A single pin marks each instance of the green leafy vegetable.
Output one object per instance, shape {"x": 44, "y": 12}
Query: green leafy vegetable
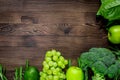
{"x": 110, "y": 9}
{"x": 108, "y": 13}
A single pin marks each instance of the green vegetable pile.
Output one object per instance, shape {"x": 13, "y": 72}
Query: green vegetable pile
{"x": 102, "y": 62}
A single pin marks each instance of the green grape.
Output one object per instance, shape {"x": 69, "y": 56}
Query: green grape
{"x": 46, "y": 66}
{"x": 40, "y": 72}
{"x": 50, "y": 77}
{"x": 52, "y": 68}
{"x": 44, "y": 69}
{"x": 54, "y": 64}
{"x": 55, "y": 72}
{"x": 62, "y": 66}
{"x": 43, "y": 74}
{"x": 55, "y": 57}
{"x": 55, "y": 78}
{"x": 47, "y": 78}
{"x": 48, "y": 54}
{"x": 44, "y": 63}
{"x": 62, "y": 75}
{"x": 53, "y": 52}
{"x": 42, "y": 78}
{"x": 50, "y": 63}
{"x": 49, "y": 72}
{"x": 47, "y": 59}
{"x": 58, "y": 69}
{"x": 58, "y": 53}
{"x": 60, "y": 63}
{"x": 65, "y": 62}
{"x": 61, "y": 58}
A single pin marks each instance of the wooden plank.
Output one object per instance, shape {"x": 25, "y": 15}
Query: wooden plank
{"x": 47, "y": 5}
{"x": 62, "y": 1}
{"x": 7, "y": 5}
{"x": 43, "y": 41}
{"x": 44, "y": 17}
{"x": 8, "y": 17}
{"x": 40, "y": 17}
{"x": 74, "y": 7}
{"x": 49, "y": 29}
{"x": 36, "y": 12}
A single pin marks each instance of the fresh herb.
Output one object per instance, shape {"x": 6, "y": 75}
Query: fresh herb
{"x": 18, "y": 73}
{"x": 2, "y": 75}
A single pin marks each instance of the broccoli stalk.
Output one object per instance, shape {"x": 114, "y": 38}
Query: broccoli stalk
{"x": 98, "y": 76}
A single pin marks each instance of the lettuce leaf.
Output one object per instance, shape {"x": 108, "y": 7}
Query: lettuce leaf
{"x": 109, "y": 9}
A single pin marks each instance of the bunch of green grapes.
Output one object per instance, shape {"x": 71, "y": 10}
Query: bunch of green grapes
{"x": 53, "y": 66}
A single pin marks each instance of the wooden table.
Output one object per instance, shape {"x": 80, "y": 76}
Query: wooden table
{"x": 28, "y": 28}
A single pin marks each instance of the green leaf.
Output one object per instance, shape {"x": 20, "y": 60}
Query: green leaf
{"x": 69, "y": 62}
{"x": 20, "y": 72}
{"x": 109, "y": 9}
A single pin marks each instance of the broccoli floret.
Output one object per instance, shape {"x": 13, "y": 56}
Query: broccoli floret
{"x": 99, "y": 67}
{"x": 112, "y": 71}
{"x": 101, "y": 51}
{"x": 108, "y": 59}
{"x": 87, "y": 59}
{"x": 104, "y": 55}
{"x": 118, "y": 63}
{"x": 97, "y": 54}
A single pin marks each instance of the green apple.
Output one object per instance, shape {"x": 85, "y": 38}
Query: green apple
{"x": 114, "y": 34}
{"x": 74, "y": 73}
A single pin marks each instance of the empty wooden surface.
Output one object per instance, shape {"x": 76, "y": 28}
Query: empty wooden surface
{"x": 28, "y": 28}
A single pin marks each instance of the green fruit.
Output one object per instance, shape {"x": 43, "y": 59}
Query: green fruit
{"x": 74, "y": 73}
{"x": 114, "y": 34}
{"x": 31, "y": 73}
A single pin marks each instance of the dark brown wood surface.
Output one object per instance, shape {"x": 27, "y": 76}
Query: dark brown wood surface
{"x": 28, "y": 28}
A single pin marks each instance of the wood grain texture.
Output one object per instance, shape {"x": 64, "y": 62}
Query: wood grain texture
{"x": 60, "y": 29}
{"x": 28, "y": 28}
